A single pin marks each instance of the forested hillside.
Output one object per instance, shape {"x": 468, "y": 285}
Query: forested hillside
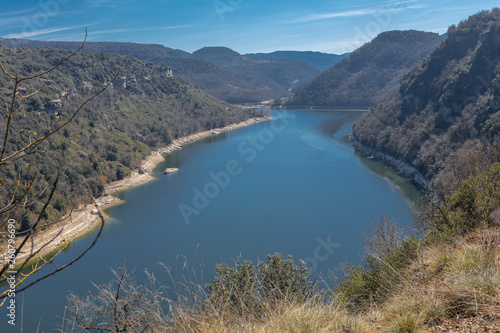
{"x": 319, "y": 60}
{"x": 209, "y": 77}
{"x": 145, "y": 108}
{"x": 447, "y": 105}
{"x": 282, "y": 73}
{"x": 368, "y": 74}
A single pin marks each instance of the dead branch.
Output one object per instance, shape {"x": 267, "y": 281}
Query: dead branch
{"x": 22, "y": 189}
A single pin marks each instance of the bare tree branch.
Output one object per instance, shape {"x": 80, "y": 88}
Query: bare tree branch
{"x": 72, "y": 261}
{"x": 24, "y": 185}
{"x": 121, "y": 306}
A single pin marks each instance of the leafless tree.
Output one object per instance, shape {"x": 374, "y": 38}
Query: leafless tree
{"x": 120, "y": 306}
{"x": 384, "y": 237}
{"x": 18, "y": 273}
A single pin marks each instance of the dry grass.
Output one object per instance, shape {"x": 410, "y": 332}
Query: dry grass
{"x": 449, "y": 285}
{"x": 412, "y": 308}
{"x": 450, "y": 281}
{"x": 279, "y": 318}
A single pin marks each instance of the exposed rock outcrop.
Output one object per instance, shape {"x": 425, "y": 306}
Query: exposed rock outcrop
{"x": 85, "y": 85}
{"x": 404, "y": 169}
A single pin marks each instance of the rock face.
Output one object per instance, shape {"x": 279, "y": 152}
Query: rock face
{"x": 56, "y": 103}
{"x": 168, "y": 71}
{"x": 120, "y": 83}
{"x": 20, "y": 90}
{"x": 85, "y": 85}
{"x": 68, "y": 94}
{"x": 83, "y": 154}
{"x": 404, "y": 169}
{"x": 53, "y": 106}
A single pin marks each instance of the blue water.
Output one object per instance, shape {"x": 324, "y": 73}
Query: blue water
{"x": 293, "y": 185}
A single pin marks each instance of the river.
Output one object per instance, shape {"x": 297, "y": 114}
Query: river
{"x": 292, "y": 185}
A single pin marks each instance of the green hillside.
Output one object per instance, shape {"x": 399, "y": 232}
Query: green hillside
{"x": 447, "y": 104}
{"x": 369, "y": 73}
{"x": 209, "y": 77}
{"x": 276, "y": 73}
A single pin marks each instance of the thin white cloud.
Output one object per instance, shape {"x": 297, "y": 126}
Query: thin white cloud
{"x": 71, "y": 37}
{"x": 17, "y": 13}
{"x": 390, "y": 5}
{"x": 349, "y": 13}
{"x": 28, "y": 18}
{"x": 107, "y": 3}
{"x": 11, "y": 22}
{"x": 419, "y": 6}
{"x": 123, "y": 30}
{"x": 40, "y": 32}
{"x": 397, "y": 3}
{"x": 14, "y": 19}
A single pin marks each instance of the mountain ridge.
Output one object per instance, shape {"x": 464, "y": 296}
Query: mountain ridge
{"x": 284, "y": 73}
{"x": 369, "y": 73}
{"x": 446, "y": 105}
{"x": 319, "y": 60}
{"x": 208, "y": 76}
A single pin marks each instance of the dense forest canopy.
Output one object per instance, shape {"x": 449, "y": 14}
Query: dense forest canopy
{"x": 447, "y": 104}
{"x": 369, "y": 73}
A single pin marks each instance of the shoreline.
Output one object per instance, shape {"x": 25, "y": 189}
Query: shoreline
{"x": 324, "y": 108}
{"x": 82, "y": 221}
{"x": 402, "y": 168}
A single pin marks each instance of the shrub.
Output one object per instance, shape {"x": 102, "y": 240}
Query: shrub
{"x": 388, "y": 256}
{"x": 245, "y": 288}
{"x": 122, "y": 172}
{"x": 471, "y": 206}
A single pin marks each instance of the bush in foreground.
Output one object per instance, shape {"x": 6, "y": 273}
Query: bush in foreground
{"x": 449, "y": 279}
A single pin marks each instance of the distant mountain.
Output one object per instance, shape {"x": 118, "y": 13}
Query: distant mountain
{"x": 320, "y": 61}
{"x": 283, "y": 73}
{"x": 369, "y": 73}
{"x": 207, "y": 76}
{"x": 446, "y": 104}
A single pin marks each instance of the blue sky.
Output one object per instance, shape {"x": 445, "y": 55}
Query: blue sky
{"x": 243, "y": 25}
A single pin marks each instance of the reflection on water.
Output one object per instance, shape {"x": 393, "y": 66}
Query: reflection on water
{"x": 340, "y": 126}
{"x": 405, "y": 185}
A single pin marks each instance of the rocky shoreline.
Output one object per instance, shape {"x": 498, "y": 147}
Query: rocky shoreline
{"x": 403, "y": 168}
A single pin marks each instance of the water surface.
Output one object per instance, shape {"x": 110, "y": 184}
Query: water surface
{"x": 293, "y": 185}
